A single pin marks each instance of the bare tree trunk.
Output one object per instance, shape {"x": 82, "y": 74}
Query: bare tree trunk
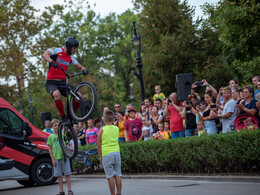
{"x": 21, "y": 88}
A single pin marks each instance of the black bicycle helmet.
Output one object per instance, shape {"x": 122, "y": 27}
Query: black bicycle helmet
{"x": 71, "y": 42}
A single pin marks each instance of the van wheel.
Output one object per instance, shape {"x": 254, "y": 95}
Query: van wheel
{"x": 27, "y": 183}
{"x": 41, "y": 172}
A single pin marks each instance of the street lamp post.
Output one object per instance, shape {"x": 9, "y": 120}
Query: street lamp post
{"x": 32, "y": 112}
{"x": 136, "y": 41}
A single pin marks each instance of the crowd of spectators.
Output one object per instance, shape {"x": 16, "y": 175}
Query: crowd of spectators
{"x": 168, "y": 118}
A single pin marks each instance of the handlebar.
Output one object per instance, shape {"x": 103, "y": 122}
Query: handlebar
{"x": 69, "y": 75}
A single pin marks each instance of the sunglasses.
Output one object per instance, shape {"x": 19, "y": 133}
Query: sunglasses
{"x": 117, "y": 106}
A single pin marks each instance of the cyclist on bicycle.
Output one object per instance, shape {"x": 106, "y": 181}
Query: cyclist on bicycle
{"x": 56, "y": 79}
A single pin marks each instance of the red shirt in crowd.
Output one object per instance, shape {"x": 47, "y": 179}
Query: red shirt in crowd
{"x": 176, "y": 122}
{"x": 133, "y": 125}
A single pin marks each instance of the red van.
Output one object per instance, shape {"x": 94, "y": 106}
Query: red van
{"x": 24, "y": 154}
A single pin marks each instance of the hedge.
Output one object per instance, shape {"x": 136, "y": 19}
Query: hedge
{"x": 220, "y": 153}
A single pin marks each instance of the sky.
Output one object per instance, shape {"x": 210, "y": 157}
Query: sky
{"x": 104, "y": 7}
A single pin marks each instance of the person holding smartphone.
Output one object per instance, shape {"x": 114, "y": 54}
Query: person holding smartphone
{"x": 208, "y": 87}
{"x": 173, "y": 111}
{"x": 189, "y": 115}
{"x": 207, "y": 117}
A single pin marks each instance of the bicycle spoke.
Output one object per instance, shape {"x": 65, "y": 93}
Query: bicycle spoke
{"x": 82, "y": 109}
{"x": 68, "y": 140}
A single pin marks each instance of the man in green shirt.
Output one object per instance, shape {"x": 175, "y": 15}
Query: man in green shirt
{"x": 109, "y": 153}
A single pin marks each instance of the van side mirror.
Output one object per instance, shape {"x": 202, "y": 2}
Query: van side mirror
{"x": 27, "y": 130}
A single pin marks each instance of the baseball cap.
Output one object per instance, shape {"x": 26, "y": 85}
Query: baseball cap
{"x": 132, "y": 110}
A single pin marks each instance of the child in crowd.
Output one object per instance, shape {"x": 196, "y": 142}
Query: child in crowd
{"x": 133, "y": 127}
{"x": 48, "y": 128}
{"x": 158, "y": 93}
{"x": 60, "y": 164}
{"x": 97, "y": 123}
{"x": 91, "y": 133}
{"x": 161, "y": 134}
{"x": 147, "y": 130}
{"x": 200, "y": 105}
{"x": 81, "y": 133}
{"x": 167, "y": 129}
{"x": 200, "y": 128}
{"x": 109, "y": 153}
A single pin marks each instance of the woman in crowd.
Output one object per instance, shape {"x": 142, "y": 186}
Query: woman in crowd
{"x": 143, "y": 112}
{"x": 233, "y": 83}
{"x": 120, "y": 123}
{"x": 236, "y": 95}
{"x": 155, "y": 118}
{"x": 81, "y": 133}
{"x": 249, "y": 105}
{"x": 149, "y": 114}
{"x": 209, "y": 121}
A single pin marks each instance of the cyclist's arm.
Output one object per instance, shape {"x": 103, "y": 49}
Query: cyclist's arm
{"x": 47, "y": 56}
{"x": 79, "y": 67}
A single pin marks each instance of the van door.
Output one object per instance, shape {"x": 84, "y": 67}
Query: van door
{"x": 5, "y": 164}
{"x": 13, "y": 146}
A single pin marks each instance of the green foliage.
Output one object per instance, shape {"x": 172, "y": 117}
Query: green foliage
{"x": 170, "y": 41}
{"x": 238, "y": 23}
{"x": 19, "y": 27}
{"x": 221, "y": 153}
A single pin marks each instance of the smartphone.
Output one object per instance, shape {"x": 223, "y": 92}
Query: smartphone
{"x": 199, "y": 83}
{"x": 213, "y": 106}
{"x": 198, "y": 103}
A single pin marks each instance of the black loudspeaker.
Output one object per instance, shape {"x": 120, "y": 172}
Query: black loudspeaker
{"x": 45, "y": 116}
{"x": 184, "y": 83}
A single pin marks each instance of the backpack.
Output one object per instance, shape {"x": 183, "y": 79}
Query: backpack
{"x": 245, "y": 122}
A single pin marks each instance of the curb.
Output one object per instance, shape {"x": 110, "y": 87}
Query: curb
{"x": 249, "y": 179}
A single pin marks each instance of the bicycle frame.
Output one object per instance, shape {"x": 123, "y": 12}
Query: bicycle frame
{"x": 70, "y": 93}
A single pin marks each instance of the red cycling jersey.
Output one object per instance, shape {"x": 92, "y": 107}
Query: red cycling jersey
{"x": 64, "y": 60}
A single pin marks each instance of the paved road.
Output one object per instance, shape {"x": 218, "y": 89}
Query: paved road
{"x": 139, "y": 186}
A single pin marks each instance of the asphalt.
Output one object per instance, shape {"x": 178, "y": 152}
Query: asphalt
{"x": 218, "y": 178}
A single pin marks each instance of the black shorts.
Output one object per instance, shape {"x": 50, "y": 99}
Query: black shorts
{"x": 52, "y": 85}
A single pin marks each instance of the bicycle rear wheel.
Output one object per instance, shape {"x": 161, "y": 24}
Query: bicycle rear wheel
{"x": 82, "y": 105}
{"x": 68, "y": 140}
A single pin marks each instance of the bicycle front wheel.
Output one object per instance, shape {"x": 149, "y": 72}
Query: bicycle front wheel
{"x": 68, "y": 140}
{"x": 83, "y": 102}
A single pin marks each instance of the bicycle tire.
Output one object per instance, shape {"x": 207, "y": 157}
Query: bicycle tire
{"x": 68, "y": 140}
{"x": 88, "y": 96}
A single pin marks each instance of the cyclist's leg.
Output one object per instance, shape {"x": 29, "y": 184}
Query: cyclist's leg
{"x": 52, "y": 87}
{"x": 58, "y": 102}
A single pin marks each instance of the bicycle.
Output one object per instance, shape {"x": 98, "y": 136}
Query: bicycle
{"x": 81, "y": 102}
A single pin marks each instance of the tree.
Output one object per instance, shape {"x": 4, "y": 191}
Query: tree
{"x": 116, "y": 51}
{"x": 210, "y": 65}
{"x": 238, "y": 24}
{"x": 169, "y": 42}
{"x": 18, "y": 29}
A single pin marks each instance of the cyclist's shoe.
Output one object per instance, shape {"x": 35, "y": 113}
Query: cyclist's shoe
{"x": 64, "y": 118}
